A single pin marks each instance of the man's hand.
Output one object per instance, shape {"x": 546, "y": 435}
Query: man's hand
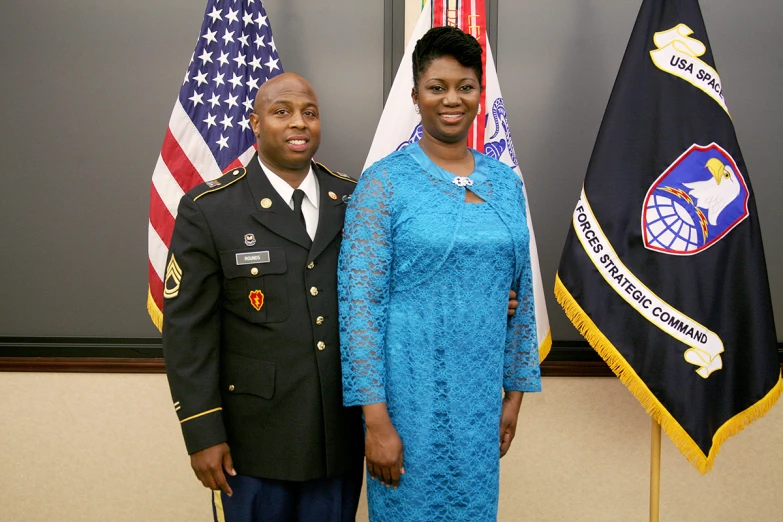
{"x": 508, "y": 419}
{"x": 209, "y": 464}
{"x": 512, "y": 303}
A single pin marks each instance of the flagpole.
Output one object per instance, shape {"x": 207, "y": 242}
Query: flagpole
{"x": 655, "y": 471}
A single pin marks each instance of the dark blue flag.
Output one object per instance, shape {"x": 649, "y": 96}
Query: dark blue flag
{"x": 663, "y": 269}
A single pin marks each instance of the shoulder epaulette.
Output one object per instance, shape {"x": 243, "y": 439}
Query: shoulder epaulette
{"x": 220, "y": 183}
{"x": 336, "y": 174}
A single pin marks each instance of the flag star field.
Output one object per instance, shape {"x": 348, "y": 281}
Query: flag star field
{"x": 235, "y": 54}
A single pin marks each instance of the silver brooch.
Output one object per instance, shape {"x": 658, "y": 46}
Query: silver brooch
{"x": 462, "y": 181}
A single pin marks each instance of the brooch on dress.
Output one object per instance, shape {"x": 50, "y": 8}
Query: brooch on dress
{"x": 462, "y": 181}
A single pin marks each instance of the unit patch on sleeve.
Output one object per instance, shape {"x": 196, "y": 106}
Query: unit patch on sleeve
{"x": 173, "y": 278}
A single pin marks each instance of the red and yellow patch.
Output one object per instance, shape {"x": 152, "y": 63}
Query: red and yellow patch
{"x": 257, "y": 299}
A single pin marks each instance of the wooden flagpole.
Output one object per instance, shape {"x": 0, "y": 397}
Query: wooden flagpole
{"x": 655, "y": 471}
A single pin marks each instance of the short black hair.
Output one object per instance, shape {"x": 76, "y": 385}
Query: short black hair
{"x": 446, "y": 41}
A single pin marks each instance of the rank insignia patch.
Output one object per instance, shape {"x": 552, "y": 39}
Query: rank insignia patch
{"x": 257, "y": 299}
{"x": 173, "y": 278}
{"x": 699, "y": 199}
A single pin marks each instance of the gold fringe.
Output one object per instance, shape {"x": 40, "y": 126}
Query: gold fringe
{"x": 654, "y": 408}
{"x": 546, "y": 345}
{"x": 155, "y": 313}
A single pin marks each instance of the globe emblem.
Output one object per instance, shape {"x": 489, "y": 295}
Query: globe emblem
{"x": 697, "y": 200}
{"x": 670, "y": 225}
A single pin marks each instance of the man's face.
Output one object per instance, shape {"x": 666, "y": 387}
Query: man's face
{"x": 287, "y": 123}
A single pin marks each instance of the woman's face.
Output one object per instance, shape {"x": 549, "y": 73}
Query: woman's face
{"x": 448, "y": 95}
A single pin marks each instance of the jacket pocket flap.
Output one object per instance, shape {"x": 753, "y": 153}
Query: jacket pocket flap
{"x": 248, "y": 375}
{"x": 253, "y": 262}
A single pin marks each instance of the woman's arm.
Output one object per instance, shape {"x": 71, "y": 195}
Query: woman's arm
{"x": 363, "y": 276}
{"x": 521, "y": 371}
{"x": 364, "y": 273}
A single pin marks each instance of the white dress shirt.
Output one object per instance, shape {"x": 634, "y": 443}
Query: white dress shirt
{"x": 309, "y": 203}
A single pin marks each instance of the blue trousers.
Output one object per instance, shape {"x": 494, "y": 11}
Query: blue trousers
{"x": 264, "y": 500}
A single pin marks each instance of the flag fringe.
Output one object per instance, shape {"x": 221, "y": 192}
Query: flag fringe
{"x": 545, "y": 347}
{"x": 155, "y": 313}
{"x": 687, "y": 446}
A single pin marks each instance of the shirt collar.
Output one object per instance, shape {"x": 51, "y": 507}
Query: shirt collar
{"x": 309, "y": 185}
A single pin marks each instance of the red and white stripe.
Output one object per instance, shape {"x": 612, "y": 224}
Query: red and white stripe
{"x": 185, "y": 161}
{"x": 470, "y": 17}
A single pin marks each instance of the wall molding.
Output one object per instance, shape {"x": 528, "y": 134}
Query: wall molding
{"x": 145, "y": 355}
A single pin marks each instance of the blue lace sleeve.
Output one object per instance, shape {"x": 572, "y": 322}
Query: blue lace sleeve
{"x": 364, "y": 272}
{"x": 521, "y": 371}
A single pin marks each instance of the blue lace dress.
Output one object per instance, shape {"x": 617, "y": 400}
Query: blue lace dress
{"x": 423, "y": 287}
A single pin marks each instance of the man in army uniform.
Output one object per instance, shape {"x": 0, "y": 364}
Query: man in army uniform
{"x": 250, "y": 333}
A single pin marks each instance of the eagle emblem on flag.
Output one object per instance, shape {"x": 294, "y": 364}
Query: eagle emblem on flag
{"x": 697, "y": 200}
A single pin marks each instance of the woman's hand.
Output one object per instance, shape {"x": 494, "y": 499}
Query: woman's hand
{"x": 383, "y": 446}
{"x": 508, "y": 419}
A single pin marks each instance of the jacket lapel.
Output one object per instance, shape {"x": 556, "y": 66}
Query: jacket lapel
{"x": 277, "y": 217}
{"x": 331, "y": 212}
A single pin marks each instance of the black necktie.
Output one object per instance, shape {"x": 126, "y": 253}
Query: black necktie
{"x": 298, "y": 197}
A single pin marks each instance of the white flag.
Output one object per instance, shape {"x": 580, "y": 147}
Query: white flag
{"x": 400, "y": 126}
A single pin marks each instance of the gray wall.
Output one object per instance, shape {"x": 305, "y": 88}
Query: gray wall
{"x": 557, "y": 62}
{"x": 87, "y": 88}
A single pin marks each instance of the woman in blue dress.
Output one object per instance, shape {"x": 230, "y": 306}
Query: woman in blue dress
{"x": 435, "y": 235}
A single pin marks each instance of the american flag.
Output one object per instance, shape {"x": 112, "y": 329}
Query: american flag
{"x": 209, "y": 130}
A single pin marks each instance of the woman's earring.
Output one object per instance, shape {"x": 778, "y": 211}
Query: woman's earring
{"x": 416, "y": 108}
{"x": 479, "y": 109}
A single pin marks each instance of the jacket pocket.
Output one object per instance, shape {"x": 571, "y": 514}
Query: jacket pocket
{"x": 254, "y": 283}
{"x": 247, "y": 375}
